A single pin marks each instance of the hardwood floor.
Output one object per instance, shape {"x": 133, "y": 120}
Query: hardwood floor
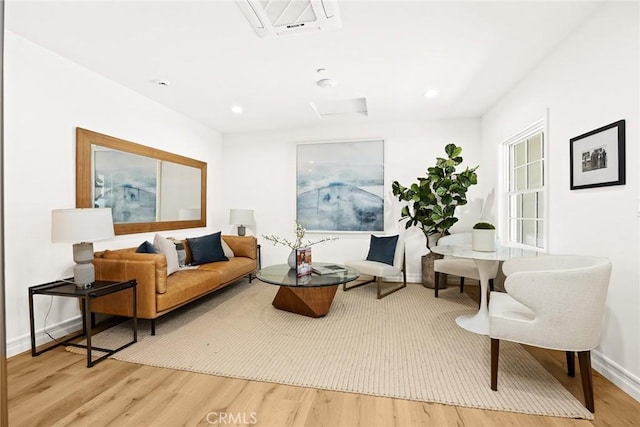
{"x": 56, "y": 389}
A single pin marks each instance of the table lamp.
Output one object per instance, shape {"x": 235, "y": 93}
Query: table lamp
{"x": 82, "y": 227}
{"x": 241, "y": 217}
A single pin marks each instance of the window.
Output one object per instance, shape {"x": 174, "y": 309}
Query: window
{"x": 526, "y": 188}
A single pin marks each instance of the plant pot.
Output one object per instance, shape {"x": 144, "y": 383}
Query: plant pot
{"x": 428, "y": 275}
{"x": 483, "y": 240}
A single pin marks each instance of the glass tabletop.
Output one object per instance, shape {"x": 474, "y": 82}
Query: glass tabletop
{"x": 67, "y": 287}
{"x": 282, "y": 275}
{"x": 502, "y": 253}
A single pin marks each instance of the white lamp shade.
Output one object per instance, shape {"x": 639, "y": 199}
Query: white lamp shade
{"x": 241, "y": 216}
{"x": 81, "y": 225}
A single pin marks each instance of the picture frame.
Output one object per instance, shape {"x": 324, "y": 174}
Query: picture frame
{"x": 174, "y": 194}
{"x": 597, "y": 158}
{"x": 340, "y": 185}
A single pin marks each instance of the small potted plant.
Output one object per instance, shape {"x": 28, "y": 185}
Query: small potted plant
{"x": 483, "y": 237}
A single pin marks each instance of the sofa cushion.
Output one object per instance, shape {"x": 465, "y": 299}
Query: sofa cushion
{"x": 146, "y": 248}
{"x": 242, "y": 246}
{"x": 206, "y": 249}
{"x": 382, "y": 249}
{"x": 232, "y": 270}
{"x": 168, "y": 249}
{"x": 187, "y": 285}
{"x": 227, "y": 250}
{"x": 187, "y": 250}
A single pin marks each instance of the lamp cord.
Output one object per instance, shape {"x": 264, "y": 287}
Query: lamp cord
{"x": 44, "y": 328}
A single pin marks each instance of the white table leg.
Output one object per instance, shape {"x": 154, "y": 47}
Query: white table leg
{"x": 479, "y": 322}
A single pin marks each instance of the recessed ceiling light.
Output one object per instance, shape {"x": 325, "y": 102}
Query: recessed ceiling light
{"x": 431, "y": 93}
{"x": 163, "y": 83}
{"x": 327, "y": 83}
{"x": 236, "y": 109}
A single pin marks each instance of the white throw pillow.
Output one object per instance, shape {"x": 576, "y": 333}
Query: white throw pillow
{"x": 168, "y": 248}
{"x": 226, "y": 249}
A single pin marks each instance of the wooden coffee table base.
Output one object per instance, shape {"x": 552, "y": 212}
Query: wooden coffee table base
{"x": 312, "y": 302}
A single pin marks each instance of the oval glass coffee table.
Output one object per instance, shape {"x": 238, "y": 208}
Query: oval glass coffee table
{"x": 310, "y": 295}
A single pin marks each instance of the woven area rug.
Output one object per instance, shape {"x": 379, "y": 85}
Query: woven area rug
{"x": 404, "y": 346}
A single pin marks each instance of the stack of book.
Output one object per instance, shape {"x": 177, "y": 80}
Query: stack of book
{"x": 328, "y": 269}
{"x": 303, "y": 262}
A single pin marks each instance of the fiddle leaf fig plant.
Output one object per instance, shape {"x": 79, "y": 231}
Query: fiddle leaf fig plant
{"x": 432, "y": 201}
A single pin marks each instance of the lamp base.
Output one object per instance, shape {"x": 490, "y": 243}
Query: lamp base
{"x": 84, "y": 274}
{"x": 242, "y": 230}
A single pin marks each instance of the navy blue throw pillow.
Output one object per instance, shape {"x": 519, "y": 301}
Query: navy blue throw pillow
{"x": 382, "y": 249}
{"x": 146, "y": 248}
{"x": 206, "y": 249}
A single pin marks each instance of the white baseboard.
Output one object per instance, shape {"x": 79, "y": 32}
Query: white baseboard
{"x": 412, "y": 278}
{"x": 23, "y": 343}
{"x": 417, "y": 278}
{"x": 615, "y": 373}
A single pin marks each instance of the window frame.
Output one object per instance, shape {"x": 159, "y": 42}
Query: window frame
{"x": 508, "y": 173}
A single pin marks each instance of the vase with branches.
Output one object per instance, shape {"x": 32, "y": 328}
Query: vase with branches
{"x": 299, "y": 242}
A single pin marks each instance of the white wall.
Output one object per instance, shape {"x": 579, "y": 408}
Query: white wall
{"x": 591, "y": 79}
{"x": 46, "y": 98}
{"x": 262, "y": 168}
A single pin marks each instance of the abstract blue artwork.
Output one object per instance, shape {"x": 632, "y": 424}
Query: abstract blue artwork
{"x": 126, "y": 183}
{"x": 340, "y": 186}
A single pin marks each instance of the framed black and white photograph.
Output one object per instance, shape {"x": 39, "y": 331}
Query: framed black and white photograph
{"x": 340, "y": 186}
{"x": 598, "y": 157}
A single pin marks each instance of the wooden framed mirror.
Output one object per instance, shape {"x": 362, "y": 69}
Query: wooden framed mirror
{"x": 147, "y": 189}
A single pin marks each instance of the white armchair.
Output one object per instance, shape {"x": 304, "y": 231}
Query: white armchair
{"x": 554, "y": 302}
{"x": 461, "y": 267}
{"x": 378, "y": 270}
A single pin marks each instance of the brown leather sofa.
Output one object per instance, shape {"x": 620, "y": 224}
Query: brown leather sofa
{"x": 158, "y": 293}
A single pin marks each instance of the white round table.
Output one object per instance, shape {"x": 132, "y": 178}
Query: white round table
{"x": 486, "y": 262}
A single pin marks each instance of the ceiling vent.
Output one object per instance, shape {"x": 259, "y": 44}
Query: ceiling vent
{"x": 340, "y": 108}
{"x": 282, "y": 17}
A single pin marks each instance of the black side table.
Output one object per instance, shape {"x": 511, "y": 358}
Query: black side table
{"x": 251, "y": 275}
{"x": 99, "y": 288}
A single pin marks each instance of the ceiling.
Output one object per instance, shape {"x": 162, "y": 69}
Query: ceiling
{"x": 387, "y": 52}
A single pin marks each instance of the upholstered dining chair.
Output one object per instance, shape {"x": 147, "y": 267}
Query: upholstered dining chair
{"x": 461, "y": 267}
{"x": 554, "y": 302}
{"x": 386, "y": 258}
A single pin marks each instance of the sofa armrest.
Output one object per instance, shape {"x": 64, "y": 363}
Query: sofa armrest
{"x": 243, "y": 246}
{"x": 159, "y": 262}
{"x": 119, "y": 303}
